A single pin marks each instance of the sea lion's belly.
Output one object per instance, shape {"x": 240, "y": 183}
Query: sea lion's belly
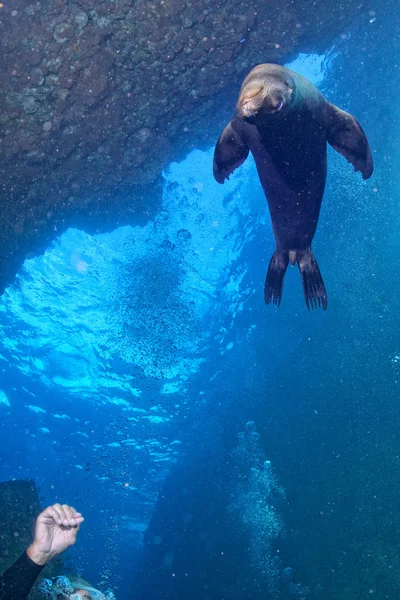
{"x": 292, "y": 174}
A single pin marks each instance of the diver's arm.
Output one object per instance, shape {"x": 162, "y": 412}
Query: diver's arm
{"x": 56, "y": 529}
{"x": 17, "y": 581}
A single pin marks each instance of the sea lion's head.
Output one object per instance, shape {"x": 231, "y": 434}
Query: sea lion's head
{"x": 266, "y": 93}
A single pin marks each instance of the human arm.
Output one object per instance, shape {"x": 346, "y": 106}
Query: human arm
{"x": 56, "y": 529}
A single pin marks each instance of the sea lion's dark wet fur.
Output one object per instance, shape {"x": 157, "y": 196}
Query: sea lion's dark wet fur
{"x": 285, "y": 122}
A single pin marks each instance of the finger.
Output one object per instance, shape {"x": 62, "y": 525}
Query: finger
{"x": 70, "y": 515}
{"x": 77, "y": 516}
{"x": 51, "y": 514}
{"x": 77, "y": 513}
{"x": 63, "y": 516}
{"x": 79, "y": 521}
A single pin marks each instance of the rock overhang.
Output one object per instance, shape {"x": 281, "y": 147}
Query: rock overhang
{"x": 97, "y": 97}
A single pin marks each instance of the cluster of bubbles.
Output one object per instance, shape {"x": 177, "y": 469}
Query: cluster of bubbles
{"x": 289, "y": 589}
{"x": 255, "y": 498}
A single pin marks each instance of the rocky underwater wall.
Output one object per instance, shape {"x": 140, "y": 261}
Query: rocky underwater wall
{"x": 97, "y": 97}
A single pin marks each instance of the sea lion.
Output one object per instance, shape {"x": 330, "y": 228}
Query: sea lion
{"x": 285, "y": 122}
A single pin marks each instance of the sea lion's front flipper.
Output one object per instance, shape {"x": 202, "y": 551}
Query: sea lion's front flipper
{"x": 230, "y": 152}
{"x": 275, "y": 276}
{"x": 346, "y": 136}
{"x": 313, "y": 285}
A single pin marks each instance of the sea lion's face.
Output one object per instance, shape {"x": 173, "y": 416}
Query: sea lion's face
{"x": 265, "y": 96}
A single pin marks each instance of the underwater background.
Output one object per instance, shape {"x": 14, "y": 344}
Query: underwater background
{"x": 213, "y": 443}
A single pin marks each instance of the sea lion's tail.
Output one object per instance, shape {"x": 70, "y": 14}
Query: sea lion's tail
{"x": 313, "y": 285}
{"x": 275, "y": 276}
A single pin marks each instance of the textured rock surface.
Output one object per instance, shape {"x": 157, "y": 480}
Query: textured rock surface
{"x": 96, "y": 97}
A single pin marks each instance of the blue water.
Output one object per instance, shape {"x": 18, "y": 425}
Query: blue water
{"x": 132, "y": 361}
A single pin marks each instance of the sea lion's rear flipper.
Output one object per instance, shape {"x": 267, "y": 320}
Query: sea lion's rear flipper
{"x": 346, "y": 136}
{"x": 275, "y": 276}
{"x": 313, "y": 285}
{"x": 230, "y": 152}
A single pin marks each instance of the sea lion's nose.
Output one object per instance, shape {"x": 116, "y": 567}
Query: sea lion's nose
{"x": 274, "y": 105}
{"x": 249, "y": 101}
{"x": 248, "y": 109}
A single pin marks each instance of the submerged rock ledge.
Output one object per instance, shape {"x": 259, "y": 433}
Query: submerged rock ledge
{"x": 97, "y": 97}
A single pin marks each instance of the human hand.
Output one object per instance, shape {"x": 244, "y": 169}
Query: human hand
{"x": 56, "y": 530}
